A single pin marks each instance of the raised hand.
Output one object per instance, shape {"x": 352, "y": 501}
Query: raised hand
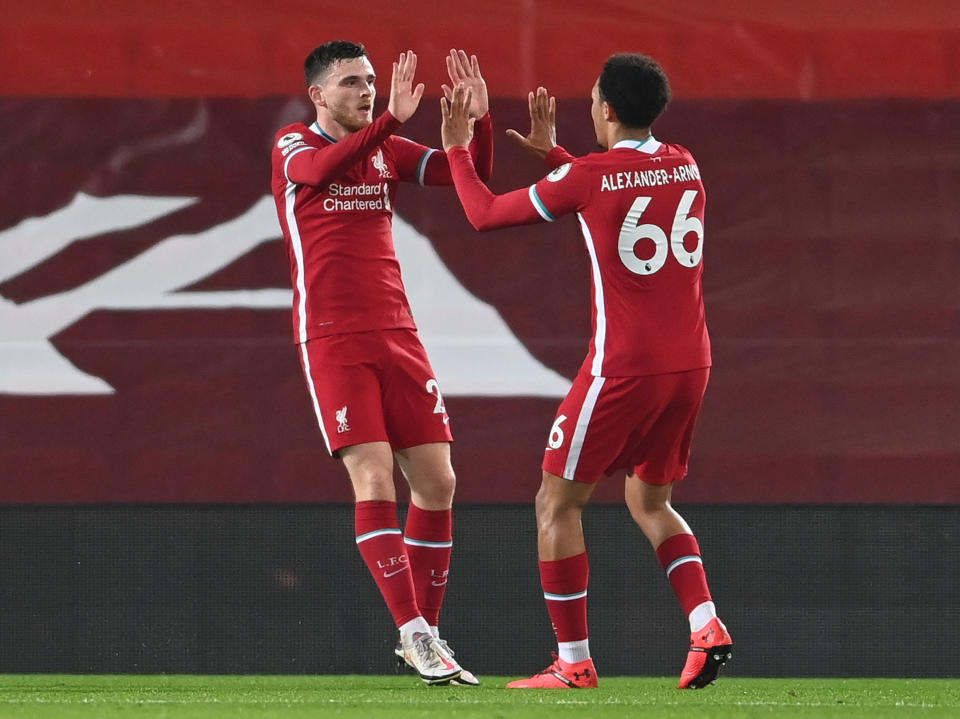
{"x": 466, "y": 71}
{"x": 404, "y": 97}
{"x": 456, "y": 128}
{"x": 543, "y": 123}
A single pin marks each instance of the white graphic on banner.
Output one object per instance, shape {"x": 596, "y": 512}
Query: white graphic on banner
{"x": 471, "y": 348}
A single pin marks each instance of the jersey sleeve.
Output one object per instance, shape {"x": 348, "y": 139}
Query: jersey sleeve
{"x": 428, "y": 166}
{"x": 310, "y": 165}
{"x": 484, "y": 209}
{"x": 557, "y": 157}
{"x": 481, "y": 147}
{"x": 565, "y": 190}
{"x": 411, "y": 159}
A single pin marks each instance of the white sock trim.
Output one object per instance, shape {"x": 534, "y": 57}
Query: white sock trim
{"x": 701, "y": 616}
{"x": 376, "y": 533}
{"x": 683, "y": 560}
{"x": 413, "y": 626}
{"x": 565, "y": 597}
{"x": 573, "y": 652}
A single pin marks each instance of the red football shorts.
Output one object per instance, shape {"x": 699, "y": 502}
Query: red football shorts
{"x": 641, "y": 424}
{"x": 375, "y": 386}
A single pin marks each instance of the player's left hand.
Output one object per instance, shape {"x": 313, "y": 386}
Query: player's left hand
{"x": 456, "y": 128}
{"x": 404, "y": 97}
{"x": 466, "y": 71}
{"x": 543, "y": 123}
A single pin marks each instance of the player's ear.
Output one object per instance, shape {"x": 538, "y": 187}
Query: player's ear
{"x": 316, "y": 95}
{"x": 609, "y": 114}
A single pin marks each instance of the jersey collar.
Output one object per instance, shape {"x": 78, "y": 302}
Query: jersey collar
{"x": 649, "y": 145}
{"x": 319, "y": 130}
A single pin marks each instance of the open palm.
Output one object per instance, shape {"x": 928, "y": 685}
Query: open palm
{"x": 404, "y": 97}
{"x": 465, "y": 71}
{"x": 543, "y": 123}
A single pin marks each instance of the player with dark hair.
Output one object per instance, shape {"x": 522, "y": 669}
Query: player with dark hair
{"x": 634, "y": 403}
{"x": 374, "y": 392}
{"x": 324, "y": 56}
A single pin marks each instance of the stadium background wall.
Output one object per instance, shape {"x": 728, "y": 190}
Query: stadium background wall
{"x": 806, "y": 591}
{"x": 166, "y": 501}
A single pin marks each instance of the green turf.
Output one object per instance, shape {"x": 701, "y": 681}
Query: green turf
{"x": 369, "y": 697}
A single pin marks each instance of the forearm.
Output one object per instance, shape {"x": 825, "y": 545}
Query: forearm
{"x": 484, "y": 209}
{"x": 324, "y": 166}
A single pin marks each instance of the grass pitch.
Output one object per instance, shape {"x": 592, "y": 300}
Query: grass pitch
{"x": 370, "y": 697}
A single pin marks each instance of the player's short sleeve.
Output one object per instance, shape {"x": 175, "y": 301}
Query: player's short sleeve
{"x": 565, "y": 190}
{"x": 410, "y": 158}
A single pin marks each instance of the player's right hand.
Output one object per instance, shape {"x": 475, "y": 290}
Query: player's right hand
{"x": 543, "y": 123}
{"x": 456, "y": 127}
{"x": 404, "y": 97}
{"x": 465, "y": 71}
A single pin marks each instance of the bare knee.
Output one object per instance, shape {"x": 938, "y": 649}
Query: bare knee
{"x": 430, "y": 475}
{"x": 373, "y": 483}
{"x": 545, "y": 506}
{"x": 371, "y": 472}
{"x": 650, "y": 508}
{"x": 646, "y": 508}
{"x": 555, "y": 508}
{"x": 560, "y": 504}
{"x": 434, "y": 490}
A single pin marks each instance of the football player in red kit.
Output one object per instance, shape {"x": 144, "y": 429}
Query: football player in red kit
{"x": 374, "y": 392}
{"x": 634, "y": 403}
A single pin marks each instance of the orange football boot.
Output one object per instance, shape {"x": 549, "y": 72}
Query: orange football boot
{"x": 710, "y": 648}
{"x": 561, "y": 675}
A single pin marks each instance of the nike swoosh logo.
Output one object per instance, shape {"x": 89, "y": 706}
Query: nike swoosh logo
{"x": 438, "y": 584}
{"x": 446, "y": 420}
{"x": 395, "y": 571}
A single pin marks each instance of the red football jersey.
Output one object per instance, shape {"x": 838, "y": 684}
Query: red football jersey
{"x": 335, "y": 206}
{"x": 640, "y": 206}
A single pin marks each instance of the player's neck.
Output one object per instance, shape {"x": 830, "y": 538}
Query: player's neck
{"x": 618, "y": 133}
{"x": 331, "y": 127}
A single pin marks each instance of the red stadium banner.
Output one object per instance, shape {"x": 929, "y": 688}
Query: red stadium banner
{"x": 145, "y": 343}
{"x": 820, "y": 49}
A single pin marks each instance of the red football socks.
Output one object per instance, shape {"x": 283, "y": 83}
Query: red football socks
{"x": 428, "y": 539}
{"x": 381, "y": 545}
{"x": 680, "y": 558}
{"x": 565, "y": 591}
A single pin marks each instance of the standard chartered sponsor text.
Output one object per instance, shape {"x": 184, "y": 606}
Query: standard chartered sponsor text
{"x": 364, "y": 190}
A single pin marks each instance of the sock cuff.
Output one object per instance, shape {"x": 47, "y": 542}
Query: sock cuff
{"x": 677, "y": 546}
{"x": 565, "y": 576}
{"x": 374, "y": 515}
{"x": 429, "y": 525}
